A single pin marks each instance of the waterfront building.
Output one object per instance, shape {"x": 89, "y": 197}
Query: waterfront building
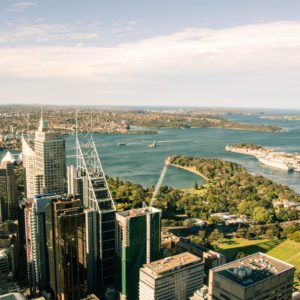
{"x": 50, "y": 159}
{"x": 257, "y": 276}
{"x": 131, "y": 246}
{"x": 66, "y": 248}
{"x": 8, "y": 193}
{"x": 171, "y": 278}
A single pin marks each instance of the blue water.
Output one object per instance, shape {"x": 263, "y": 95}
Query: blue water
{"x": 137, "y": 163}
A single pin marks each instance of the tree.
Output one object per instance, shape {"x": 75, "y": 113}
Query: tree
{"x": 202, "y": 234}
{"x": 262, "y": 215}
{"x": 216, "y": 236}
{"x": 196, "y": 186}
{"x": 189, "y": 222}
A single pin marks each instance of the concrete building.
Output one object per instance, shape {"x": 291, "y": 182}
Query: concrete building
{"x": 256, "y": 276}
{"x": 8, "y": 193}
{"x": 66, "y": 248}
{"x": 172, "y": 278}
{"x": 35, "y": 234}
{"x": 50, "y": 159}
{"x": 45, "y": 165}
{"x": 9, "y": 256}
{"x": 131, "y": 246}
{"x": 28, "y": 157}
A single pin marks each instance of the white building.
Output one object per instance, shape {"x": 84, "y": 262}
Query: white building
{"x": 50, "y": 159}
{"x": 45, "y": 166}
{"x": 173, "y": 278}
{"x": 28, "y": 157}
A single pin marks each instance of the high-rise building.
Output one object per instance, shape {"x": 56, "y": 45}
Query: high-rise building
{"x": 75, "y": 183}
{"x": 9, "y": 255}
{"x": 171, "y": 278}
{"x": 56, "y": 245}
{"x": 28, "y": 158}
{"x": 45, "y": 166}
{"x": 131, "y": 245}
{"x": 50, "y": 159}
{"x": 257, "y": 276}
{"x": 35, "y": 233}
{"x": 8, "y": 193}
{"x": 67, "y": 248}
{"x": 101, "y": 219}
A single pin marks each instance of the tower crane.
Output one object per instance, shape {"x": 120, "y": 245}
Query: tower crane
{"x": 156, "y": 190}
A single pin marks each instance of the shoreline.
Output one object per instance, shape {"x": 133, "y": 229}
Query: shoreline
{"x": 190, "y": 169}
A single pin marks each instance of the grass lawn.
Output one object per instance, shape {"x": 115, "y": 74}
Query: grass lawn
{"x": 230, "y": 247}
{"x": 288, "y": 251}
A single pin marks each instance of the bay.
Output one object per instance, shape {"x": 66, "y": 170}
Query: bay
{"x": 138, "y": 163}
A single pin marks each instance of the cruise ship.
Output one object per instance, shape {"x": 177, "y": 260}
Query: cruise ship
{"x": 276, "y": 163}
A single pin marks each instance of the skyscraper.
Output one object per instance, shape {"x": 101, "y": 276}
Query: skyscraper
{"x": 131, "y": 246}
{"x": 174, "y": 278}
{"x": 50, "y": 160}
{"x": 257, "y": 276}
{"x": 101, "y": 221}
{"x": 35, "y": 232}
{"x": 8, "y": 193}
{"x": 45, "y": 166}
{"x": 67, "y": 248}
{"x": 28, "y": 158}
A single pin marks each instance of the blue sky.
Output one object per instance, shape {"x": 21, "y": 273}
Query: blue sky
{"x": 196, "y": 52}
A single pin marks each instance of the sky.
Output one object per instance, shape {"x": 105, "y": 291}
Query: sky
{"x": 216, "y": 53}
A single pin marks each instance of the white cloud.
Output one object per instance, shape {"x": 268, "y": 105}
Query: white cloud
{"x": 44, "y": 32}
{"x": 20, "y": 6}
{"x": 240, "y": 60}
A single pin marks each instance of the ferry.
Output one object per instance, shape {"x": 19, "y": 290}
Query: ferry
{"x": 153, "y": 145}
{"x": 276, "y": 163}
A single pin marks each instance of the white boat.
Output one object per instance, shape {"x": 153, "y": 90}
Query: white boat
{"x": 276, "y": 163}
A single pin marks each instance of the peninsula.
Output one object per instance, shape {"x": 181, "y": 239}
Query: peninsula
{"x": 280, "y": 160}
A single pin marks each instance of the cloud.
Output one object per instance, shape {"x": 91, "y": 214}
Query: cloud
{"x": 241, "y": 60}
{"x": 43, "y": 32}
{"x": 20, "y": 6}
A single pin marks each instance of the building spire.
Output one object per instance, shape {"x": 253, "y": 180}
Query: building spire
{"x": 43, "y": 126}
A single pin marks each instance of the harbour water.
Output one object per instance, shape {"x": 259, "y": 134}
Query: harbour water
{"x": 138, "y": 163}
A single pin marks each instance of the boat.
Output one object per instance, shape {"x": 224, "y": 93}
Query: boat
{"x": 276, "y": 163}
{"x": 153, "y": 145}
{"x": 121, "y": 144}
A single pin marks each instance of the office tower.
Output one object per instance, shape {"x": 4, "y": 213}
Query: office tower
{"x": 66, "y": 248}
{"x": 8, "y": 193}
{"x": 74, "y": 181}
{"x": 101, "y": 219}
{"x": 35, "y": 234}
{"x": 50, "y": 160}
{"x": 171, "y": 278}
{"x": 131, "y": 246}
{"x": 28, "y": 157}
{"x": 44, "y": 166}
{"x": 9, "y": 255}
{"x": 257, "y": 276}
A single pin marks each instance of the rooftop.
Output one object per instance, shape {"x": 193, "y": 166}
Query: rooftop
{"x": 252, "y": 269}
{"x": 171, "y": 263}
{"x": 138, "y": 212}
